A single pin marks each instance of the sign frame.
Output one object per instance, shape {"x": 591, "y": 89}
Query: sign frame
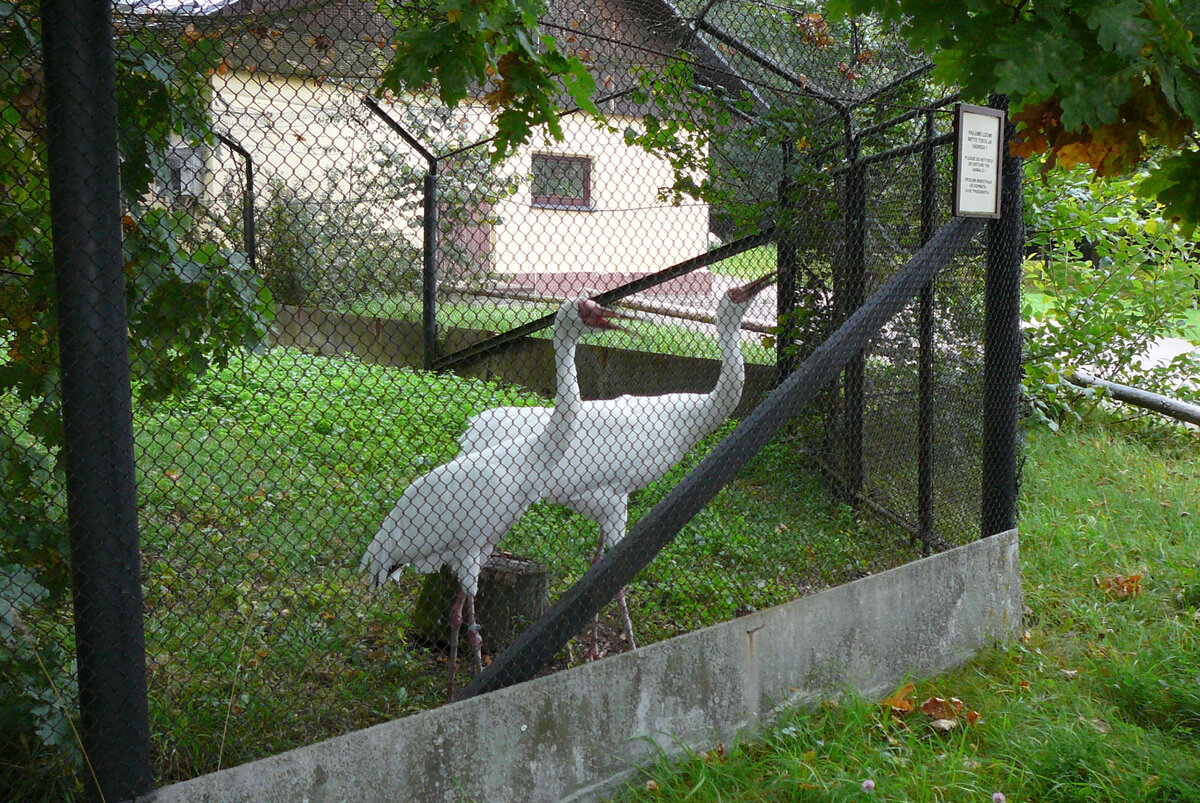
{"x": 961, "y": 112}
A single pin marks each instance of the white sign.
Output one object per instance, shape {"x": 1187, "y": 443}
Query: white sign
{"x": 979, "y": 133}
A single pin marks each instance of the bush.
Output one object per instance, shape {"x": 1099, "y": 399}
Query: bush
{"x": 320, "y": 250}
{"x": 1112, "y": 276}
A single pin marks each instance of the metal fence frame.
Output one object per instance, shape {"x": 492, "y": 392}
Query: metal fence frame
{"x": 102, "y": 503}
{"x": 96, "y": 395}
{"x": 849, "y": 290}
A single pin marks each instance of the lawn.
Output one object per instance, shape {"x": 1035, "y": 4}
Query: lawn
{"x": 501, "y": 315}
{"x": 260, "y": 490}
{"x": 748, "y": 264}
{"x": 1099, "y": 700}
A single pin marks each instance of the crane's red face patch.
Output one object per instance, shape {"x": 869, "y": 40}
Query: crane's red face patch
{"x": 597, "y": 316}
{"x": 740, "y": 295}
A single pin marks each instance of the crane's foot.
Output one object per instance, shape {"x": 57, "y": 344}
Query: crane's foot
{"x": 473, "y": 636}
{"x": 593, "y": 650}
{"x": 623, "y": 607}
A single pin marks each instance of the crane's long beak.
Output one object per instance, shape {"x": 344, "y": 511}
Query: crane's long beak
{"x": 599, "y": 317}
{"x": 750, "y": 290}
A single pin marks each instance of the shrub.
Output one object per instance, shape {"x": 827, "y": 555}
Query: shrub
{"x": 322, "y": 250}
{"x": 1113, "y": 276}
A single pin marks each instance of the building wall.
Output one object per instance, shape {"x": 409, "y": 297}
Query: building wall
{"x": 626, "y": 231}
{"x": 299, "y": 130}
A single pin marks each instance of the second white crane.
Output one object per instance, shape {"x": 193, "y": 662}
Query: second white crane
{"x": 456, "y": 514}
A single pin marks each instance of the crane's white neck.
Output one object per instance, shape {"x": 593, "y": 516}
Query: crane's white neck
{"x": 554, "y": 439}
{"x": 726, "y": 394}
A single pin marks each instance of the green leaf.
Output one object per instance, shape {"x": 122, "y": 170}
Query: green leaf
{"x": 1120, "y": 26}
{"x": 1181, "y": 87}
{"x": 1032, "y": 60}
{"x": 1176, "y": 185}
{"x": 18, "y": 591}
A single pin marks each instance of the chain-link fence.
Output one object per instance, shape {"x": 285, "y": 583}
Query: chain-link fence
{"x": 286, "y": 257}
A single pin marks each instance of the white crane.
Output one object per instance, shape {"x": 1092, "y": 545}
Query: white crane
{"x": 624, "y": 444}
{"x": 456, "y": 514}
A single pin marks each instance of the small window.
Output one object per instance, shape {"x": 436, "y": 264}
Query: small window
{"x": 561, "y": 180}
{"x": 184, "y": 173}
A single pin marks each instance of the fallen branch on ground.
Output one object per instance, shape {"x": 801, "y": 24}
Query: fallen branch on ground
{"x": 1174, "y": 408}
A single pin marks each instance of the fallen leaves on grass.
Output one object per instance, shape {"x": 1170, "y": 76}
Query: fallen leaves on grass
{"x": 898, "y": 703}
{"x": 944, "y": 714}
{"x": 939, "y": 708}
{"x": 1120, "y": 586}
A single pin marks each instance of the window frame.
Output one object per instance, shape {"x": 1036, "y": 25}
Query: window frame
{"x": 562, "y": 201}
{"x": 183, "y": 177}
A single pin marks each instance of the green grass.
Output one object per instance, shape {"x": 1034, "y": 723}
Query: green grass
{"x": 489, "y": 314}
{"x": 259, "y": 492}
{"x": 748, "y": 264}
{"x": 1100, "y": 700}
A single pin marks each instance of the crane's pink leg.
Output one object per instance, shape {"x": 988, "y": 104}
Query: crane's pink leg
{"x": 593, "y": 650}
{"x": 473, "y": 634}
{"x": 624, "y": 609}
{"x": 455, "y": 624}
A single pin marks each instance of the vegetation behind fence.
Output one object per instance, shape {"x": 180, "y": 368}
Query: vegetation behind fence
{"x": 187, "y": 498}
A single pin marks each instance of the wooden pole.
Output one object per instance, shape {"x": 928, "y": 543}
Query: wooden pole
{"x": 1173, "y": 408}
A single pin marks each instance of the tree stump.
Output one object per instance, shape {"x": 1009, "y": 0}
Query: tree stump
{"x": 513, "y": 593}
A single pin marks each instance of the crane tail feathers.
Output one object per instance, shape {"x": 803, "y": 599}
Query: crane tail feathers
{"x": 377, "y": 561}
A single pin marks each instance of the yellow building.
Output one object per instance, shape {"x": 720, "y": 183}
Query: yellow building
{"x": 582, "y": 214}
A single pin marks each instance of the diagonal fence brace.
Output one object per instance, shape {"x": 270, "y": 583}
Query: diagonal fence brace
{"x": 512, "y": 336}
{"x": 538, "y": 645}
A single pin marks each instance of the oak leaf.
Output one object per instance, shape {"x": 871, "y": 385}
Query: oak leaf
{"x": 899, "y": 703}
{"x": 939, "y": 708}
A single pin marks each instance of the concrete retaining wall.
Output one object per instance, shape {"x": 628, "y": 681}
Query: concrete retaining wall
{"x": 577, "y": 734}
{"x": 604, "y": 373}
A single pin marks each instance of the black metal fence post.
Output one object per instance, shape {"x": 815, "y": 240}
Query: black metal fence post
{"x": 1002, "y": 347}
{"x": 925, "y": 337}
{"x": 429, "y": 231}
{"x": 429, "y": 271}
{"x": 247, "y": 202}
{"x": 785, "y": 264}
{"x": 81, "y": 123}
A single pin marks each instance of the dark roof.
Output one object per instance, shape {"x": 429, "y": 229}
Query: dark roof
{"x": 350, "y": 39}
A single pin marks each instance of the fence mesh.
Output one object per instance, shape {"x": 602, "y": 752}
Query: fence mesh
{"x": 298, "y": 252}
